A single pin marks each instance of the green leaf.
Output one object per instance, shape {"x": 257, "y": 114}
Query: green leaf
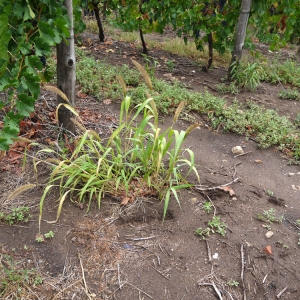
{"x": 33, "y": 62}
{"x": 7, "y": 135}
{"x": 5, "y": 36}
{"x": 31, "y": 13}
{"x": 12, "y": 120}
{"x": 31, "y": 82}
{"x": 46, "y": 32}
{"x": 25, "y": 104}
{"x": 41, "y": 46}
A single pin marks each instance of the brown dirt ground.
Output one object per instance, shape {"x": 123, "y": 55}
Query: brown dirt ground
{"x": 128, "y": 253}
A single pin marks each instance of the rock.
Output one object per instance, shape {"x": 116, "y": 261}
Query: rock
{"x": 216, "y": 256}
{"x": 268, "y": 250}
{"x": 269, "y": 234}
{"x": 237, "y": 150}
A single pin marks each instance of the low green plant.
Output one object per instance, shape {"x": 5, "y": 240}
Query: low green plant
{"x": 17, "y": 214}
{"x": 150, "y": 64}
{"x": 49, "y": 234}
{"x": 15, "y": 281}
{"x": 203, "y": 233}
{"x": 217, "y": 225}
{"x": 39, "y": 238}
{"x": 227, "y": 89}
{"x": 214, "y": 225}
{"x": 233, "y": 282}
{"x": 290, "y": 94}
{"x": 270, "y": 193}
{"x": 246, "y": 75}
{"x": 104, "y": 84}
{"x": 270, "y": 216}
{"x": 170, "y": 65}
{"x": 287, "y": 72}
{"x": 207, "y": 206}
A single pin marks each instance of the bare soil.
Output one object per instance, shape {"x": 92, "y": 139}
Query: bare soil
{"x": 128, "y": 252}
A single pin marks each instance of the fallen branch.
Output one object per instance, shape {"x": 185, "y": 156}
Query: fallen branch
{"x": 279, "y": 294}
{"x": 140, "y": 290}
{"x": 201, "y": 189}
{"x": 242, "y": 154}
{"x": 83, "y": 278}
{"x": 215, "y": 288}
{"x": 242, "y": 271}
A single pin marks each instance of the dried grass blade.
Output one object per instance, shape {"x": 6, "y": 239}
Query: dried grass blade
{"x": 62, "y": 199}
{"x": 57, "y": 91}
{"x": 20, "y": 190}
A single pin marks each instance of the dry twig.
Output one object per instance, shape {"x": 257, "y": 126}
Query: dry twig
{"x": 242, "y": 271}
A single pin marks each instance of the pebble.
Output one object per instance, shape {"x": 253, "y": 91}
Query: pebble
{"x": 237, "y": 150}
{"x": 269, "y": 234}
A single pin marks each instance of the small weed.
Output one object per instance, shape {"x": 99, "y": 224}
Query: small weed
{"x": 232, "y": 282}
{"x": 18, "y": 214}
{"x": 281, "y": 244}
{"x": 270, "y": 216}
{"x": 15, "y": 280}
{"x": 207, "y": 206}
{"x": 204, "y": 233}
{"x": 227, "y": 89}
{"x": 270, "y": 193}
{"x": 298, "y": 222}
{"x": 170, "y": 65}
{"x": 49, "y": 234}
{"x": 39, "y": 238}
{"x": 150, "y": 64}
{"x": 217, "y": 225}
{"x": 289, "y": 94}
{"x": 214, "y": 225}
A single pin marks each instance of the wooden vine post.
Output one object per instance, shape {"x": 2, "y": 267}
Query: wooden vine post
{"x": 66, "y": 73}
{"x": 240, "y": 35}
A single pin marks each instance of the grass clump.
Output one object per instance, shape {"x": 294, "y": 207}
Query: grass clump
{"x": 138, "y": 159}
{"x": 246, "y": 75}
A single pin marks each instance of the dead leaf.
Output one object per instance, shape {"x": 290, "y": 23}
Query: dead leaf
{"x": 80, "y": 94}
{"x": 107, "y": 101}
{"x": 125, "y": 200}
{"x": 297, "y": 188}
{"x": 268, "y": 250}
{"x": 110, "y": 50}
{"x": 258, "y": 161}
{"x": 227, "y": 189}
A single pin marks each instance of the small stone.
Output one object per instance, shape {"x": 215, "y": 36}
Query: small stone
{"x": 269, "y": 234}
{"x": 193, "y": 200}
{"x": 216, "y": 256}
{"x": 237, "y": 150}
{"x": 268, "y": 250}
